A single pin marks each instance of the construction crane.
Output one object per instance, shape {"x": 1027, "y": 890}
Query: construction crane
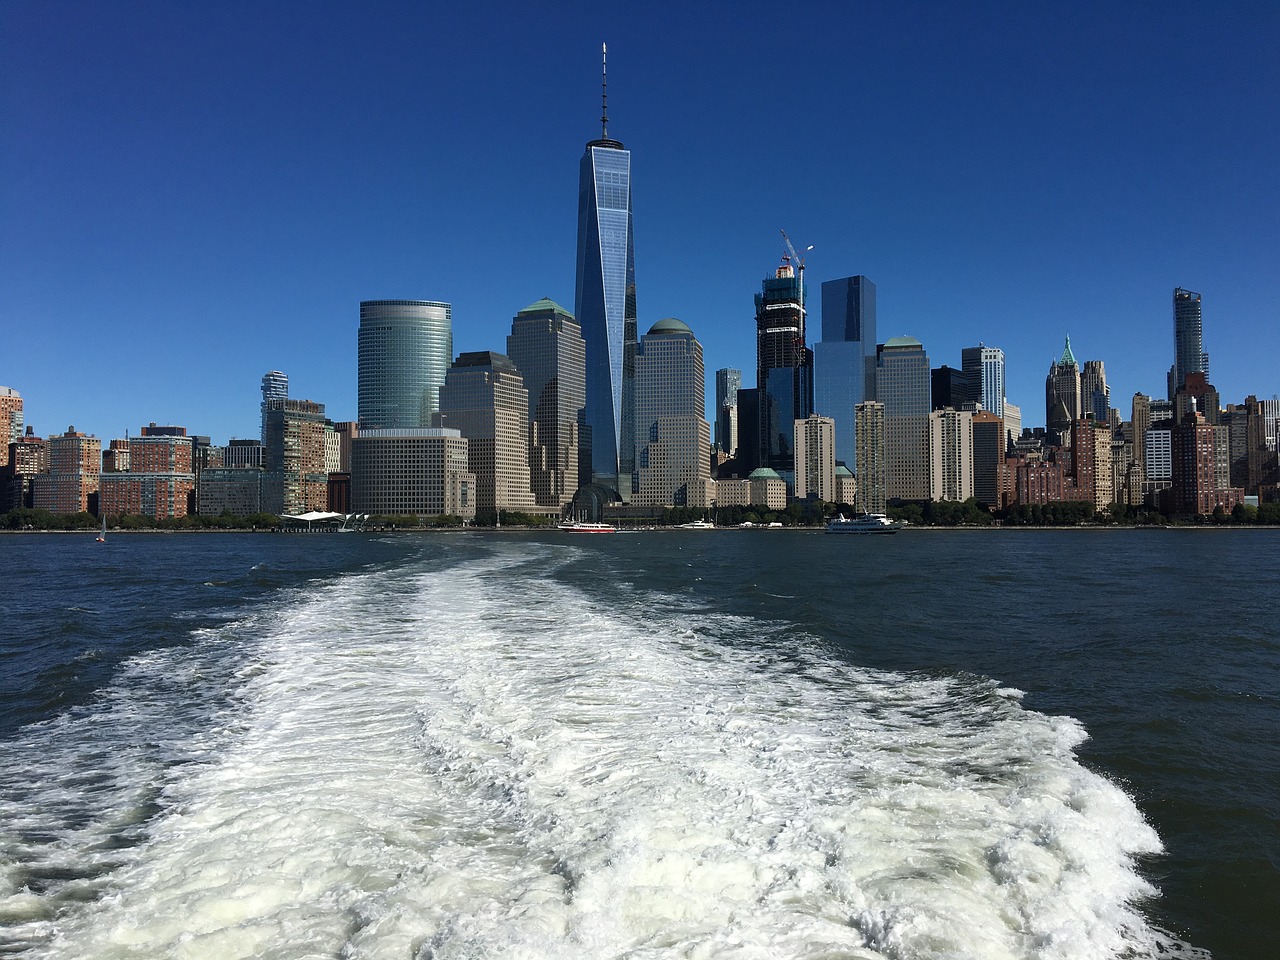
{"x": 799, "y": 263}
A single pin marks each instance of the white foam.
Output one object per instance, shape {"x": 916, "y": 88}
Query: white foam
{"x": 482, "y": 762}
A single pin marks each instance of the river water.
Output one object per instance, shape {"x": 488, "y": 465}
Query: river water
{"x": 1057, "y": 744}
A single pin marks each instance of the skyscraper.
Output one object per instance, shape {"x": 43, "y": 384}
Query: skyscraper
{"x": 403, "y": 352}
{"x": 948, "y": 387}
{"x": 984, "y": 376}
{"x": 484, "y": 397}
{"x": 816, "y": 458}
{"x": 728, "y": 383}
{"x": 10, "y": 420}
{"x": 1062, "y": 394}
{"x": 293, "y": 453}
{"x": 605, "y": 306}
{"x": 870, "y": 457}
{"x": 784, "y": 367}
{"x": 1095, "y": 395}
{"x": 547, "y": 348}
{"x": 275, "y": 386}
{"x": 844, "y": 359}
{"x": 988, "y": 459}
{"x": 1188, "y": 340}
{"x": 950, "y": 454}
{"x": 673, "y": 447}
{"x": 902, "y": 385}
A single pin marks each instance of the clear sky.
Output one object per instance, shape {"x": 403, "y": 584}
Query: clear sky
{"x": 193, "y": 193}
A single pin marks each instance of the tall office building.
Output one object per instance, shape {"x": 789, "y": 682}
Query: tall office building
{"x": 1012, "y": 423}
{"x": 1095, "y": 395}
{"x": 673, "y": 440}
{"x": 747, "y": 459}
{"x": 1139, "y": 424}
{"x": 869, "y": 456}
{"x": 983, "y": 368}
{"x": 728, "y": 383}
{"x": 950, "y": 454}
{"x": 605, "y": 305}
{"x": 1263, "y": 464}
{"x": 483, "y": 396}
{"x": 988, "y": 459}
{"x": 547, "y": 348}
{"x": 844, "y": 360}
{"x": 1236, "y": 419}
{"x": 10, "y": 421}
{"x": 948, "y": 387}
{"x": 1062, "y": 395}
{"x": 275, "y": 386}
{"x": 816, "y": 458}
{"x": 784, "y": 367}
{"x": 902, "y": 385}
{"x": 1188, "y": 340}
{"x": 403, "y": 352}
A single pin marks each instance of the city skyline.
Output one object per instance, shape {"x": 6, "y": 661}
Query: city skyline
{"x": 175, "y": 223}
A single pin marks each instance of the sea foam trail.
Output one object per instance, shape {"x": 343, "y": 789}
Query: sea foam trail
{"x": 482, "y": 762}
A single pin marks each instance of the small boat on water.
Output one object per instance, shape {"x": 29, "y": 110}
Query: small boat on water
{"x": 579, "y": 526}
{"x": 863, "y": 523}
{"x": 696, "y": 525}
{"x": 102, "y": 534}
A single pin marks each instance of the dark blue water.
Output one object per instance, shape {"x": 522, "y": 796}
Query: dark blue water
{"x": 143, "y": 660}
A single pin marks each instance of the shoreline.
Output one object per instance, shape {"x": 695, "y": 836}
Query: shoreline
{"x": 992, "y": 528}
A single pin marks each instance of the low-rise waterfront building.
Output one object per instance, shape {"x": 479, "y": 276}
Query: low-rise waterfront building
{"x": 422, "y": 472}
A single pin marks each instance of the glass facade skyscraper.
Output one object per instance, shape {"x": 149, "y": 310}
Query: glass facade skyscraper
{"x": 605, "y": 307}
{"x": 844, "y": 359}
{"x": 404, "y": 351}
{"x": 1188, "y": 340}
{"x": 728, "y": 383}
{"x": 784, "y": 368}
{"x": 984, "y": 376}
{"x": 275, "y": 386}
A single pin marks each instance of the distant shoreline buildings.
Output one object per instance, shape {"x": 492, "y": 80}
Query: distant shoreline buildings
{"x": 581, "y": 417}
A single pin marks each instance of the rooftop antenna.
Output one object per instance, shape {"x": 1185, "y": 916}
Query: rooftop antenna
{"x": 604, "y": 91}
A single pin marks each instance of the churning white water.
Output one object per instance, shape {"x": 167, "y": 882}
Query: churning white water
{"x": 482, "y": 762}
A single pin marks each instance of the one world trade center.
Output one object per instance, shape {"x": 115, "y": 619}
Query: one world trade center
{"x": 605, "y": 306}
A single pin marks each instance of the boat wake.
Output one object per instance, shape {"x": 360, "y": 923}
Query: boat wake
{"x": 481, "y": 761}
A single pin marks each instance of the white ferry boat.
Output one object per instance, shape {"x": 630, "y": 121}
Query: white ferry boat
{"x": 863, "y": 523}
{"x": 579, "y": 526}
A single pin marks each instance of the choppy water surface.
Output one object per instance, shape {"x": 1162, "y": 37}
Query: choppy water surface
{"x": 676, "y": 744}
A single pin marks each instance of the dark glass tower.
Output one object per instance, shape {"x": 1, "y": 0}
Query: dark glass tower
{"x": 844, "y": 361}
{"x": 784, "y": 367}
{"x": 1188, "y": 340}
{"x": 605, "y": 306}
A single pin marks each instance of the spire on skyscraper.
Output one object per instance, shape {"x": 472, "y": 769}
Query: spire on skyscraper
{"x": 1067, "y": 356}
{"x": 604, "y": 91}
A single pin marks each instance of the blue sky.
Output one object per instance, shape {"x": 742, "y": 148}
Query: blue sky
{"x": 193, "y": 193}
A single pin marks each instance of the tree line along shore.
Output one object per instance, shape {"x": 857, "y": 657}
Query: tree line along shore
{"x": 802, "y": 514}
